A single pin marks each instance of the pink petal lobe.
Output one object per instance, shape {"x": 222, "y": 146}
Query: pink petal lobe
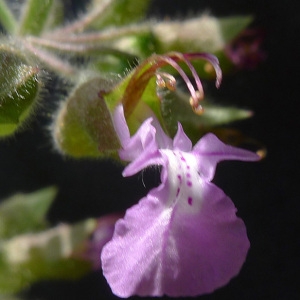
{"x": 210, "y": 150}
{"x": 162, "y": 140}
{"x": 149, "y": 138}
{"x": 147, "y": 158}
{"x": 121, "y": 125}
{"x": 181, "y": 141}
{"x": 141, "y": 140}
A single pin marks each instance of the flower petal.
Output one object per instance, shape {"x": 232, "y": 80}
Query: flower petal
{"x": 149, "y": 137}
{"x": 147, "y": 158}
{"x": 160, "y": 250}
{"x": 163, "y": 141}
{"x": 143, "y": 139}
{"x": 121, "y": 125}
{"x": 181, "y": 141}
{"x": 210, "y": 150}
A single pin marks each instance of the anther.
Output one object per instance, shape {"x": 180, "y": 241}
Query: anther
{"x": 160, "y": 82}
{"x": 165, "y": 80}
{"x": 194, "y": 102}
{"x": 171, "y": 85}
{"x": 199, "y": 110}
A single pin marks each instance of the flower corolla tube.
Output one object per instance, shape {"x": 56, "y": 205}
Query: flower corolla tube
{"x": 183, "y": 238}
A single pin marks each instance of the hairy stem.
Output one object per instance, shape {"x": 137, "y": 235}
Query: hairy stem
{"x": 106, "y": 35}
{"x": 78, "y": 49}
{"x": 84, "y": 22}
{"x": 53, "y": 62}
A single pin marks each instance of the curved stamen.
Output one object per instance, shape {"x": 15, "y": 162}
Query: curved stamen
{"x": 149, "y": 68}
{"x": 198, "y": 95}
{"x": 211, "y": 59}
{"x": 200, "y": 91}
{"x": 169, "y": 60}
{"x": 194, "y": 102}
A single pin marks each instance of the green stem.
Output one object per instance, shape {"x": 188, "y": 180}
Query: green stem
{"x": 7, "y": 19}
{"x": 35, "y": 16}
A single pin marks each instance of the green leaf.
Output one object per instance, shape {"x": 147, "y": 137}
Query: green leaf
{"x": 110, "y": 64}
{"x": 232, "y": 26}
{"x": 23, "y": 213}
{"x": 83, "y": 126}
{"x": 7, "y": 19}
{"x": 141, "y": 44}
{"x": 130, "y": 92}
{"x": 55, "y": 16}
{"x": 19, "y": 88}
{"x": 50, "y": 254}
{"x": 176, "y": 108}
{"x": 120, "y": 12}
{"x": 153, "y": 101}
{"x": 35, "y": 16}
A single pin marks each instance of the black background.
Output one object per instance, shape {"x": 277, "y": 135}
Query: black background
{"x": 265, "y": 193}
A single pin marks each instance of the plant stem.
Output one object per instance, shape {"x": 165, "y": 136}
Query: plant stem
{"x": 106, "y": 35}
{"x": 53, "y": 62}
{"x": 84, "y": 22}
{"x": 78, "y": 49}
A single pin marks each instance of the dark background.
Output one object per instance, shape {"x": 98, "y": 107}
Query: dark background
{"x": 265, "y": 193}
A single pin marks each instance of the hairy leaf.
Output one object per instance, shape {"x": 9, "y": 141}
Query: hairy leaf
{"x": 19, "y": 88}
{"x": 23, "y": 213}
{"x": 50, "y": 254}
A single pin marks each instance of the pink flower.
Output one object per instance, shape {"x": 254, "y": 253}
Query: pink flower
{"x": 183, "y": 238}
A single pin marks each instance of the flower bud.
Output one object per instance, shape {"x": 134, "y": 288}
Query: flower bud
{"x": 83, "y": 125}
{"x": 19, "y": 89}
